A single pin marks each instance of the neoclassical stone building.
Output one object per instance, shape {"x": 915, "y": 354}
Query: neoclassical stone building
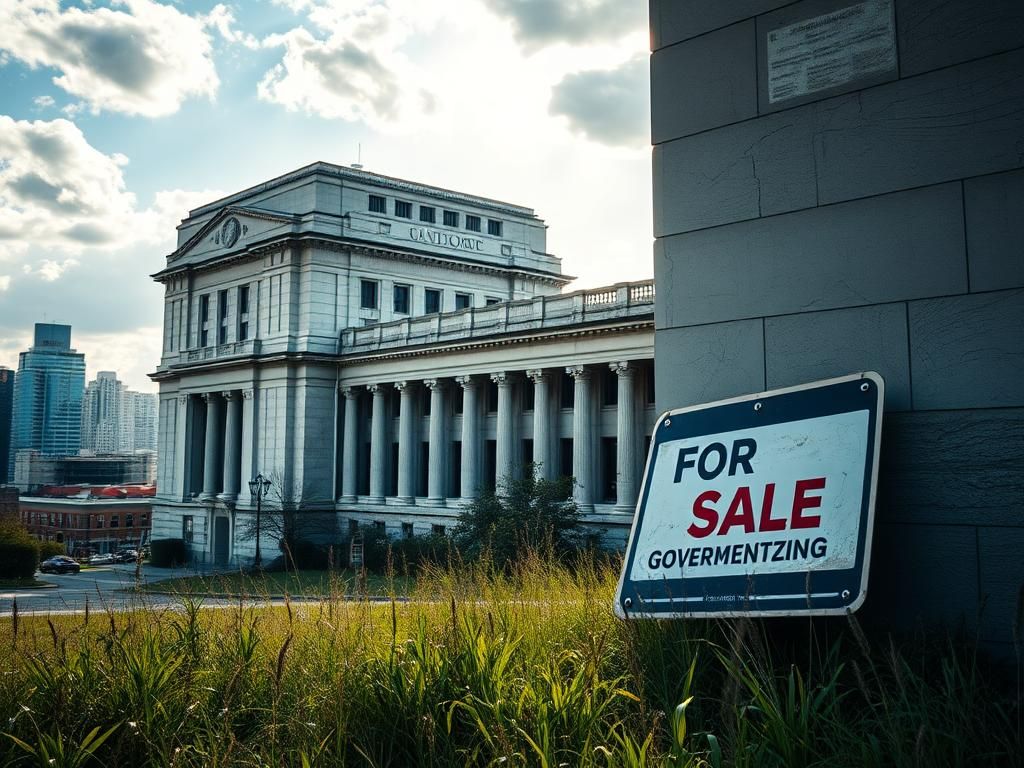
{"x": 384, "y": 350}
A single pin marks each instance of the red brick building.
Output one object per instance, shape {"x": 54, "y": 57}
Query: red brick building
{"x": 90, "y": 519}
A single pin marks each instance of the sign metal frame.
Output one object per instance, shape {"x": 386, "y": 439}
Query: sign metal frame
{"x": 794, "y": 593}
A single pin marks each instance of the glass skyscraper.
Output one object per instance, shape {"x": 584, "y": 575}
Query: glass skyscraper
{"x": 48, "y": 393}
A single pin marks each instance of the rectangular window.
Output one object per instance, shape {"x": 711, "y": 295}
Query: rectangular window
{"x": 243, "y": 312}
{"x": 437, "y": 530}
{"x": 462, "y": 300}
{"x": 115, "y": 521}
{"x": 129, "y": 521}
{"x": 402, "y": 299}
{"x": 403, "y": 209}
{"x": 431, "y": 301}
{"x": 491, "y": 300}
{"x": 427, "y": 214}
{"x": 353, "y": 528}
{"x": 204, "y": 319}
{"x": 406, "y": 530}
{"x": 100, "y": 521}
{"x": 368, "y": 294}
{"x": 378, "y": 204}
{"x": 494, "y": 228}
{"x": 222, "y": 316}
{"x": 451, "y": 218}
{"x": 472, "y": 223}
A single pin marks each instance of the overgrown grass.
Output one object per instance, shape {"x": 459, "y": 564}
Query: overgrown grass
{"x": 527, "y": 667}
{"x": 297, "y": 584}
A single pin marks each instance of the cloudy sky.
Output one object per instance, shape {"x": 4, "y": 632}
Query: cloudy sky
{"x": 117, "y": 116}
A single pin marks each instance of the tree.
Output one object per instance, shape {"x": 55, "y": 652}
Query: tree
{"x": 525, "y": 514}
{"x": 295, "y": 526}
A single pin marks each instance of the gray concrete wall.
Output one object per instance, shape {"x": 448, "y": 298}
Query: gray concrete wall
{"x": 876, "y": 224}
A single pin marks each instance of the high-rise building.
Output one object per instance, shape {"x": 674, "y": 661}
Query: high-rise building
{"x": 141, "y": 420}
{"x": 6, "y": 408}
{"x": 103, "y": 414}
{"x": 48, "y": 389}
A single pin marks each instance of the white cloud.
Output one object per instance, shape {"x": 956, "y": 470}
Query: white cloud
{"x": 43, "y": 102}
{"x": 144, "y": 60}
{"x": 538, "y": 23}
{"x": 5, "y": 282}
{"x": 59, "y": 193}
{"x": 607, "y": 105}
{"x": 222, "y": 19}
{"x": 353, "y": 67}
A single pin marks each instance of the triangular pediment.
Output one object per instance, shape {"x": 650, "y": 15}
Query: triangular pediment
{"x": 232, "y": 230}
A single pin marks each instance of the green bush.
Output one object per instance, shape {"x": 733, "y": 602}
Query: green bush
{"x": 19, "y": 553}
{"x": 526, "y": 515}
{"x": 166, "y": 553}
{"x": 48, "y": 549}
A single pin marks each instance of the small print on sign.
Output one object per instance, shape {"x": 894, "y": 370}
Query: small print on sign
{"x": 785, "y": 497}
{"x": 831, "y": 50}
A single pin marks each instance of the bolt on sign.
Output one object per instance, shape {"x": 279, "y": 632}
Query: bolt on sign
{"x": 761, "y": 505}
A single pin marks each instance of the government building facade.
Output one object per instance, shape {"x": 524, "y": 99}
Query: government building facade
{"x": 384, "y": 351}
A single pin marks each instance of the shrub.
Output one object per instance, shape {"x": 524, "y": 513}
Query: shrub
{"x": 166, "y": 553}
{"x": 526, "y": 515}
{"x": 49, "y": 549}
{"x": 19, "y": 553}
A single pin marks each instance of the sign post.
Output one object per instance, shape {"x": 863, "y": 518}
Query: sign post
{"x": 761, "y": 505}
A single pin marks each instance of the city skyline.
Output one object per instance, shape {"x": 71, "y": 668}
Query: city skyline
{"x": 98, "y": 167}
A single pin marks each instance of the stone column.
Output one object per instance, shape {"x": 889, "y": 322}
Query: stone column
{"x": 504, "y": 454}
{"x": 582, "y": 439}
{"x": 232, "y": 445}
{"x": 182, "y": 456}
{"x": 212, "y": 441}
{"x": 542, "y": 423}
{"x": 350, "y": 448}
{"x": 470, "y": 480}
{"x": 438, "y": 466}
{"x": 406, "y": 446}
{"x": 248, "y": 468}
{"x": 378, "y": 445}
{"x": 626, "y": 447}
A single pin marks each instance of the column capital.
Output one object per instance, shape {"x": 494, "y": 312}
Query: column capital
{"x": 433, "y": 384}
{"x": 376, "y": 389}
{"x": 209, "y": 396}
{"x": 501, "y": 378}
{"x": 537, "y": 375}
{"x": 578, "y": 371}
{"x": 402, "y": 386}
{"x": 622, "y": 368}
{"x": 183, "y": 399}
{"x": 466, "y": 382}
{"x": 350, "y": 393}
{"x": 247, "y": 394}
{"x": 229, "y": 394}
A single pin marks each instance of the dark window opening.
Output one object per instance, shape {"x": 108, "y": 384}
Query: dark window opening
{"x": 567, "y": 391}
{"x": 527, "y": 466}
{"x": 609, "y": 469}
{"x": 529, "y": 394}
{"x": 472, "y": 223}
{"x": 455, "y": 479}
{"x": 437, "y": 530}
{"x": 451, "y": 218}
{"x": 609, "y": 387}
{"x": 402, "y": 299}
{"x": 458, "y": 399}
{"x": 392, "y": 489}
{"x": 462, "y": 300}
{"x": 492, "y": 397}
{"x": 494, "y": 228}
{"x": 378, "y": 204}
{"x": 490, "y": 464}
{"x": 565, "y": 457}
{"x": 423, "y": 476}
{"x": 368, "y": 294}
{"x": 431, "y": 301}
{"x": 427, "y": 214}
{"x": 403, "y": 209}
{"x": 407, "y": 530}
{"x": 187, "y": 531}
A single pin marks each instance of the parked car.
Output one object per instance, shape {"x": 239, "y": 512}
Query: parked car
{"x": 59, "y": 564}
{"x": 126, "y": 556}
{"x": 101, "y": 559}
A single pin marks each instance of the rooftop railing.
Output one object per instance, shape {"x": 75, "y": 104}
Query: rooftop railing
{"x": 622, "y": 300}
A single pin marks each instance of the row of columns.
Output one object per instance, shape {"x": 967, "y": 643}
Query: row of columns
{"x": 505, "y": 449}
{"x": 222, "y": 472}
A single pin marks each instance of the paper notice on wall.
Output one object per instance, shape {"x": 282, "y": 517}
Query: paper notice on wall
{"x": 831, "y": 50}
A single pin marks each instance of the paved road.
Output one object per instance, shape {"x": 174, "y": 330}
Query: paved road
{"x": 97, "y": 587}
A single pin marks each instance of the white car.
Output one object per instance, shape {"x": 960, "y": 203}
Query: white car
{"x": 101, "y": 559}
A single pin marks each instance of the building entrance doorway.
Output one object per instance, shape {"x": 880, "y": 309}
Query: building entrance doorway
{"x": 220, "y": 541}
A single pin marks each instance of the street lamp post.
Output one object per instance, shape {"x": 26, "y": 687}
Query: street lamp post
{"x": 258, "y": 488}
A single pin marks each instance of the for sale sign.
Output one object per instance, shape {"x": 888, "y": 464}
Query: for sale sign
{"x": 758, "y": 506}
